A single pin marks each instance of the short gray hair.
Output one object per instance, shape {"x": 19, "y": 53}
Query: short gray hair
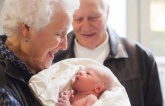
{"x": 34, "y": 13}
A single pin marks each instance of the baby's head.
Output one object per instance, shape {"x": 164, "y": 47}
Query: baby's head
{"x": 104, "y": 75}
{"x": 94, "y": 78}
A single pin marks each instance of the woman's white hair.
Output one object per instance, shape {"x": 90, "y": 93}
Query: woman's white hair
{"x": 34, "y": 13}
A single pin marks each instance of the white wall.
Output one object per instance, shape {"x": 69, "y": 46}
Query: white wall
{"x": 1, "y": 3}
{"x": 118, "y": 16}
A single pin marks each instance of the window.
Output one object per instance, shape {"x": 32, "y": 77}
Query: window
{"x": 146, "y": 24}
{"x": 117, "y": 16}
{"x": 157, "y": 27}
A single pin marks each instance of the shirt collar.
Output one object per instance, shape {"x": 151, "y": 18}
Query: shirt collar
{"x": 99, "y": 53}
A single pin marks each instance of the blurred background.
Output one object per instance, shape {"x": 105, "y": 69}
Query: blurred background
{"x": 140, "y": 20}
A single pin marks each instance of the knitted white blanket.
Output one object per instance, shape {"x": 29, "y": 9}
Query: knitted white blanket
{"x": 47, "y": 84}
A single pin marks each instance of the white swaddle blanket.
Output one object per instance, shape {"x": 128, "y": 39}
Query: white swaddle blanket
{"x": 47, "y": 84}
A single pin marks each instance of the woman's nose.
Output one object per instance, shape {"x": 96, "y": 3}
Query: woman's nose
{"x": 63, "y": 43}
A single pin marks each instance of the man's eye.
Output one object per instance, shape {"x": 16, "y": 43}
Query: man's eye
{"x": 77, "y": 19}
{"x": 93, "y": 18}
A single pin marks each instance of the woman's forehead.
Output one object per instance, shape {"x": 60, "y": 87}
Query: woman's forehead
{"x": 62, "y": 20}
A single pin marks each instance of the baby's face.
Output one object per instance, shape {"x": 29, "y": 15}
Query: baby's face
{"x": 86, "y": 80}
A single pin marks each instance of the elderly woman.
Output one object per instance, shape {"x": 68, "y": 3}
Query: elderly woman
{"x": 34, "y": 31}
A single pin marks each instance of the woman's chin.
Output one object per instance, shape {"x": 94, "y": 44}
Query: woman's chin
{"x": 46, "y": 65}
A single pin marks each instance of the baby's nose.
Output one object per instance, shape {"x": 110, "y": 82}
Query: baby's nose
{"x": 81, "y": 72}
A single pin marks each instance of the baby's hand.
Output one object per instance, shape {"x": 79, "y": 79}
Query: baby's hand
{"x": 64, "y": 98}
{"x": 67, "y": 94}
{"x": 63, "y": 101}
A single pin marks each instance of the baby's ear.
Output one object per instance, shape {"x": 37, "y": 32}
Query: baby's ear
{"x": 99, "y": 89}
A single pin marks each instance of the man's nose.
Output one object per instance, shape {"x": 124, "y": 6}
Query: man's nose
{"x": 86, "y": 25}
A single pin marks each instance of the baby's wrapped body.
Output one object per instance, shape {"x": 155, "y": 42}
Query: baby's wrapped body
{"x": 47, "y": 84}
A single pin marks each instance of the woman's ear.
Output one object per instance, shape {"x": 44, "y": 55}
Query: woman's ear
{"x": 25, "y": 29}
{"x": 99, "y": 89}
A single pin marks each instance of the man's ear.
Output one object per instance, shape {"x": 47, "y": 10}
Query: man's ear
{"x": 25, "y": 29}
{"x": 99, "y": 89}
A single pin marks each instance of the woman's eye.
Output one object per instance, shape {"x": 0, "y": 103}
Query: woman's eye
{"x": 59, "y": 35}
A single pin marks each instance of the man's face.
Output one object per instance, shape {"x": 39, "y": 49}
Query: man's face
{"x": 89, "y": 23}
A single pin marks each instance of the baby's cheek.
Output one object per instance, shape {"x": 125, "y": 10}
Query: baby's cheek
{"x": 72, "y": 81}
